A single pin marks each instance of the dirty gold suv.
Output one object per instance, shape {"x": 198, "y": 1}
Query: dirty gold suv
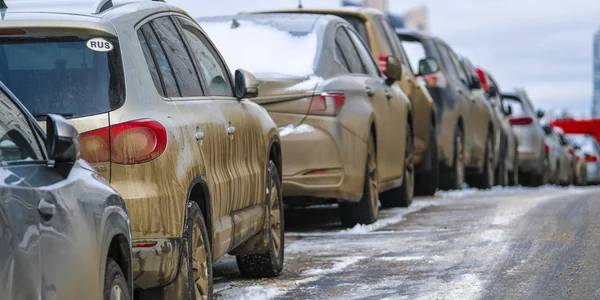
{"x": 376, "y": 31}
{"x": 160, "y": 117}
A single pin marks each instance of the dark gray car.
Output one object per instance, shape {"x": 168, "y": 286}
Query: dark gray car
{"x": 65, "y": 231}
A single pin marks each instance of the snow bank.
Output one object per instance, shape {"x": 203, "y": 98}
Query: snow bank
{"x": 263, "y": 49}
{"x": 335, "y": 268}
{"x": 291, "y": 129}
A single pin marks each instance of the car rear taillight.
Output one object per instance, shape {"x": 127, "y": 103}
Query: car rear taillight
{"x": 483, "y": 80}
{"x": 327, "y": 103}
{"x": 382, "y": 64}
{"x": 12, "y": 31}
{"x": 521, "y": 121}
{"x": 571, "y": 151}
{"x": 591, "y": 158}
{"x": 126, "y": 143}
{"x": 546, "y": 148}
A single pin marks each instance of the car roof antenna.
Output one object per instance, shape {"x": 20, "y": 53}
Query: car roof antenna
{"x": 234, "y": 23}
{"x": 3, "y": 5}
{"x": 299, "y": 3}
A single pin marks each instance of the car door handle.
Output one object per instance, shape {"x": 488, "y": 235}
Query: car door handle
{"x": 231, "y": 130}
{"x": 46, "y": 209}
{"x": 388, "y": 95}
{"x": 199, "y": 135}
{"x": 370, "y": 91}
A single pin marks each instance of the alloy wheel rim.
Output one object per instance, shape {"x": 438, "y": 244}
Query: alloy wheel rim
{"x": 275, "y": 217}
{"x": 372, "y": 172}
{"x": 117, "y": 293}
{"x": 199, "y": 264}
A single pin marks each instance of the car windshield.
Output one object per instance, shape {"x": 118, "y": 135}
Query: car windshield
{"x": 66, "y": 75}
{"x": 264, "y": 47}
{"x": 415, "y": 51}
{"x": 515, "y": 105}
{"x": 586, "y": 143}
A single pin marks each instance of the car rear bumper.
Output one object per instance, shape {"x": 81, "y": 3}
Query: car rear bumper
{"x": 531, "y": 164}
{"x": 323, "y": 162}
{"x": 157, "y": 265}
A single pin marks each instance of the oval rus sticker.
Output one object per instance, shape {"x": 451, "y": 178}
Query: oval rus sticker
{"x": 99, "y": 44}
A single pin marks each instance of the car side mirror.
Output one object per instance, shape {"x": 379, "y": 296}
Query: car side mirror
{"x": 508, "y": 110}
{"x": 547, "y": 130}
{"x": 428, "y": 66}
{"x": 493, "y": 91}
{"x": 577, "y": 147}
{"x": 540, "y": 114}
{"x": 393, "y": 69}
{"x": 62, "y": 144}
{"x": 246, "y": 85}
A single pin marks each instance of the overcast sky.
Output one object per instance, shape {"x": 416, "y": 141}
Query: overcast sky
{"x": 542, "y": 45}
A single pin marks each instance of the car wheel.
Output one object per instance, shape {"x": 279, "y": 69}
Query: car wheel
{"x": 270, "y": 263}
{"x": 536, "y": 180}
{"x": 403, "y": 195}
{"x": 115, "y": 285}
{"x": 513, "y": 177}
{"x": 453, "y": 178}
{"x": 427, "y": 182}
{"x": 367, "y": 209}
{"x": 502, "y": 170}
{"x": 486, "y": 179}
{"x": 200, "y": 271}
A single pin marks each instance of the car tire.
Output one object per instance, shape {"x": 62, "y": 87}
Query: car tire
{"x": 403, "y": 196}
{"x": 427, "y": 182}
{"x": 513, "y": 177}
{"x": 502, "y": 175}
{"x": 200, "y": 272}
{"x": 537, "y": 180}
{"x": 115, "y": 285}
{"x": 485, "y": 180}
{"x": 453, "y": 178}
{"x": 367, "y": 209}
{"x": 269, "y": 263}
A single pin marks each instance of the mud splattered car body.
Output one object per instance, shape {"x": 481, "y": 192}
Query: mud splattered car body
{"x": 162, "y": 120}
{"x": 329, "y": 113}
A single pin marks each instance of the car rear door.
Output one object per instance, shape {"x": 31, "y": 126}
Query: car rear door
{"x": 388, "y": 109}
{"x": 21, "y": 161}
{"x": 246, "y": 156}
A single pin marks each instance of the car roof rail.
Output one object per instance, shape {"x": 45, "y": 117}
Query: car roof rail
{"x": 102, "y": 5}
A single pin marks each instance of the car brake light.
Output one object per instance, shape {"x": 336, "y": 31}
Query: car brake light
{"x": 571, "y": 151}
{"x": 12, "y": 31}
{"x": 483, "y": 80}
{"x": 382, "y": 63}
{"x": 547, "y": 148}
{"x": 521, "y": 121}
{"x": 327, "y": 103}
{"x": 434, "y": 80}
{"x": 591, "y": 158}
{"x": 126, "y": 143}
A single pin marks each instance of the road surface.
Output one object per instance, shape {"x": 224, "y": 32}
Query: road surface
{"x": 505, "y": 243}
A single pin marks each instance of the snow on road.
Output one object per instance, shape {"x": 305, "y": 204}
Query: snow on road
{"x": 439, "y": 248}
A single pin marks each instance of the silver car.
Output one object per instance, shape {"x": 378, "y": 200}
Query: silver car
{"x": 533, "y": 157}
{"x": 591, "y": 150}
{"x": 560, "y": 164}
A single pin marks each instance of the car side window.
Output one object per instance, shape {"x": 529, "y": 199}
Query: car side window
{"x": 211, "y": 66}
{"x": 17, "y": 137}
{"x": 181, "y": 62}
{"x": 446, "y": 60}
{"x": 364, "y": 53}
{"x": 462, "y": 74}
{"x": 349, "y": 52}
{"x": 151, "y": 63}
{"x": 169, "y": 85}
{"x": 339, "y": 56}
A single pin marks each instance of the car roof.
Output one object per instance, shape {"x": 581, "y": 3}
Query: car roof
{"x": 419, "y": 34}
{"x": 299, "y": 22}
{"x": 364, "y": 13}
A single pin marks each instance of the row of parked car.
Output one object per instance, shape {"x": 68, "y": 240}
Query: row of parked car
{"x": 165, "y": 165}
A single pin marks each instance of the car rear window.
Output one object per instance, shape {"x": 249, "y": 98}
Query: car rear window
{"x": 62, "y": 75}
{"x": 515, "y": 104}
{"x": 264, "y": 47}
{"x": 359, "y": 26}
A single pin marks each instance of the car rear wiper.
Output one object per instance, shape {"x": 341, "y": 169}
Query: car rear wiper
{"x": 37, "y": 116}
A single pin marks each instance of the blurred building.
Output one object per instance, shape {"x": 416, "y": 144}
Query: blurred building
{"x": 596, "y": 95}
{"x": 416, "y": 19}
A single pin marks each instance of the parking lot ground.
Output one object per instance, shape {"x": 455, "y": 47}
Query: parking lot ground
{"x": 505, "y": 243}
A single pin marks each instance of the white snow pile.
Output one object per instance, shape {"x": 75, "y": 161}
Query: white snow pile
{"x": 335, "y": 268}
{"x": 255, "y": 292}
{"x": 307, "y": 84}
{"x": 399, "y": 214}
{"x": 291, "y": 129}
{"x": 263, "y": 49}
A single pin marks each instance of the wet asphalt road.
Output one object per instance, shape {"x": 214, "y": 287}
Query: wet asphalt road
{"x": 501, "y": 244}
